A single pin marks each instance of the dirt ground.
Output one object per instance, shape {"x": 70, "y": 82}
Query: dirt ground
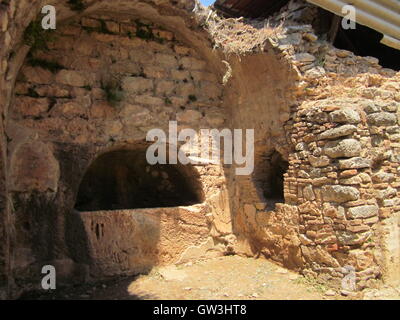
{"x": 225, "y": 278}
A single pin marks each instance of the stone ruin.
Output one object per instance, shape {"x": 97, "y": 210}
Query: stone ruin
{"x": 76, "y": 191}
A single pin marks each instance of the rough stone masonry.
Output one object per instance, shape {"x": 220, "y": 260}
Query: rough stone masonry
{"x": 325, "y": 191}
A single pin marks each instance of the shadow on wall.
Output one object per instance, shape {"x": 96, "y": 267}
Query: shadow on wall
{"x": 269, "y": 178}
{"x": 262, "y": 97}
{"x": 41, "y": 223}
{"x": 123, "y": 179}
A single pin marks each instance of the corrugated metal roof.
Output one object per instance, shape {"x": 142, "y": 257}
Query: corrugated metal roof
{"x": 380, "y": 15}
{"x": 249, "y": 8}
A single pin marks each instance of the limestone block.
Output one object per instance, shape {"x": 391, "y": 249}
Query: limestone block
{"x": 338, "y": 193}
{"x": 304, "y": 240}
{"x": 101, "y": 109}
{"x": 315, "y": 73}
{"x": 304, "y": 58}
{"x": 166, "y": 60}
{"x": 318, "y": 117}
{"x": 52, "y": 91}
{"x": 365, "y": 178}
{"x": 186, "y": 89}
{"x": 343, "y": 53}
{"x": 341, "y": 131}
{"x": 181, "y": 50}
{"x": 382, "y": 177}
{"x": 382, "y": 119}
{"x": 343, "y": 148}
{"x": 134, "y": 114}
{"x": 180, "y": 75}
{"x": 308, "y": 193}
{"x": 310, "y": 37}
{"x": 105, "y": 37}
{"x": 345, "y": 115}
{"x": 355, "y": 163}
{"x": 71, "y": 78}
{"x": 361, "y": 259}
{"x": 69, "y": 110}
{"x": 165, "y": 87}
{"x": 319, "y": 162}
{"x": 37, "y": 75}
{"x": 386, "y": 193}
{"x": 163, "y": 34}
{"x": 155, "y": 72}
{"x": 149, "y": 100}
{"x": 319, "y": 255}
{"x": 370, "y": 107}
{"x": 351, "y": 238}
{"x": 125, "y": 67}
{"x": 137, "y": 85}
{"x": 351, "y": 181}
{"x": 363, "y": 212}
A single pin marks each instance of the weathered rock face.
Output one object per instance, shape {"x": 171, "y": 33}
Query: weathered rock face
{"x": 325, "y": 191}
{"x": 334, "y": 148}
{"x": 34, "y": 168}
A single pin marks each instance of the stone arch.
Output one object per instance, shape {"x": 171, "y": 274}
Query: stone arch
{"x": 122, "y": 179}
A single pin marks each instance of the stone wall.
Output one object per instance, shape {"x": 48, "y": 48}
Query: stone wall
{"x": 341, "y": 188}
{"x": 102, "y": 85}
{"x": 56, "y": 125}
{"x": 13, "y": 16}
{"x": 344, "y": 182}
{"x": 110, "y": 76}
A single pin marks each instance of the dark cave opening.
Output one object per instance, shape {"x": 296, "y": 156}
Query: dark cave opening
{"x": 123, "y": 179}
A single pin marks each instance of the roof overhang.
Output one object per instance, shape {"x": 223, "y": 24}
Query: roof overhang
{"x": 380, "y": 15}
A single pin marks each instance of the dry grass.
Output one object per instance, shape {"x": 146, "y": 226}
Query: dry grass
{"x": 237, "y": 35}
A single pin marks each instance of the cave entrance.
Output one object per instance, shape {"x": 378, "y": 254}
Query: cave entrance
{"x": 269, "y": 178}
{"x": 123, "y": 179}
